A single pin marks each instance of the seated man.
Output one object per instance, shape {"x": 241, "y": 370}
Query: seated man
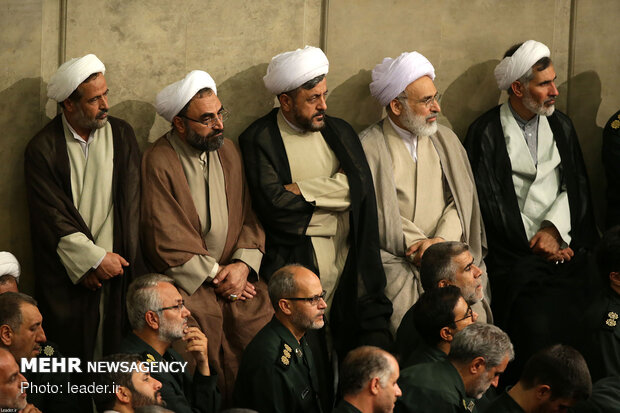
{"x": 535, "y": 202}
{"x": 553, "y": 380}
{"x": 600, "y": 338}
{"x": 407, "y": 148}
{"x": 277, "y": 372}
{"x": 12, "y": 383}
{"x": 132, "y": 389}
{"x": 368, "y": 381}
{"x": 438, "y": 315}
{"x": 611, "y": 158}
{"x": 198, "y": 226}
{"x": 478, "y": 355}
{"x": 445, "y": 263}
{"x": 21, "y": 333}
{"x": 9, "y": 272}
{"x": 158, "y": 317}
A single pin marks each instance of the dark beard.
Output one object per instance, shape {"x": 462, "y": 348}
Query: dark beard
{"x": 138, "y": 399}
{"x": 209, "y": 143}
{"x": 307, "y": 125}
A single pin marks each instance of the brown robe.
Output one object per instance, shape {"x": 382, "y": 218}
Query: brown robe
{"x": 171, "y": 232}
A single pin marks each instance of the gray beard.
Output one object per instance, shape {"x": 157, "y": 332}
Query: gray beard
{"x": 533, "y": 106}
{"x": 417, "y": 124}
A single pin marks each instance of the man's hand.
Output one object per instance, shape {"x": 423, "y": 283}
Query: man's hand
{"x": 232, "y": 279}
{"x": 196, "y": 345}
{"x": 294, "y": 188}
{"x": 111, "y": 266}
{"x": 418, "y": 248}
{"x": 30, "y": 409}
{"x": 90, "y": 281}
{"x": 546, "y": 243}
{"x": 563, "y": 255}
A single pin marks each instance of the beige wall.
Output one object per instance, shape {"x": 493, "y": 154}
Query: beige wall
{"x": 149, "y": 44}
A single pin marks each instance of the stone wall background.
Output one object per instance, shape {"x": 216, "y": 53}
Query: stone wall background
{"x": 146, "y": 45}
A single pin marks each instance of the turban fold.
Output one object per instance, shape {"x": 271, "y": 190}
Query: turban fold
{"x": 172, "y": 98}
{"x": 392, "y": 76}
{"x": 289, "y": 70}
{"x": 511, "y": 68}
{"x": 70, "y": 74}
{"x": 9, "y": 265}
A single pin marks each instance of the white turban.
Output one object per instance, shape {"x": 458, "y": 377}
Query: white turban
{"x": 172, "y": 98}
{"x": 392, "y": 76}
{"x": 513, "y": 67}
{"x": 9, "y": 265}
{"x": 289, "y": 70}
{"x": 70, "y": 74}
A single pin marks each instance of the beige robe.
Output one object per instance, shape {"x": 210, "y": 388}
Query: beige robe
{"x": 314, "y": 167}
{"x": 438, "y": 198}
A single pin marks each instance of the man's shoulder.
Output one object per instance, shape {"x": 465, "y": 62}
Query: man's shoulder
{"x": 434, "y": 375}
{"x": 119, "y": 123}
{"x": 160, "y": 153}
{"x": 46, "y": 135}
{"x": 259, "y": 125}
{"x": 488, "y": 117}
{"x": 373, "y": 131}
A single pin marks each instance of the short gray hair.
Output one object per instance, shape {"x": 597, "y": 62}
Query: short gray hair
{"x": 282, "y": 284}
{"x": 438, "y": 263}
{"x": 142, "y": 297}
{"x": 362, "y": 365}
{"x": 481, "y": 340}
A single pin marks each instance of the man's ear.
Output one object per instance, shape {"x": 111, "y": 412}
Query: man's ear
{"x": 614, "y": 278}
{"x": 443, "y": 283}
{"x": 285, "y": 306}
{"x": 477, "y": 365}
{"x": 543, "y": 392}
{"x": 123, "y": 394}
{"x": 6, "y": 335}
{"x": 517, "y": 88}
{"x": 396, "y": 106}
{"x": 179, "y": 125}
{"x": 286, "y": 102}
{"x": 374, "y": 385}
{"x": 446, "y": 334}
{"x": 152, "y": 319}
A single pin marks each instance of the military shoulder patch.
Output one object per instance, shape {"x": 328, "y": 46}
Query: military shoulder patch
{"x": 615, "y": 124}
{"x": 48, "y": 351}
{"x": 149, "y": 358}
{"x": 284, "y": 356}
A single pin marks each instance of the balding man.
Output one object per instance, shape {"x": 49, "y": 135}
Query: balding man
{"x": 424, "y": 185}
{"x": 198, "y": 226}
{"x": 277, "y": 372}
{"x": 368, "y": 381}
{"x": 312, "y": 190}
{"x": 83, "y": 182}
{"x": 12, "y": 384}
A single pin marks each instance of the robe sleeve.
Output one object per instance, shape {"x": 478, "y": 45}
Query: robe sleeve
{"x": 330, "y": 193}
{"x": 79, "y": 255}
{"x": 559, "y": 216}
{"x": 186, "y": 274}
{"x": 252, "y": 257}
{"x": 449, "y": 226}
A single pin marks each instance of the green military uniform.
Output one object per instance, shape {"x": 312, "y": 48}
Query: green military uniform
{"x": 424, "y": 354}
{"x": 277, "y": 374}
{"x": 47, "y": 401}
{"x": 181, "y": 393}
{"x": 504, "y": 404}
{"x": 605, "y": 398}
{"x": 601, "y": 339}
{"x": 431, "y": 388}
{"x": 346, "y": 407}
{"x": 407, "y": 337}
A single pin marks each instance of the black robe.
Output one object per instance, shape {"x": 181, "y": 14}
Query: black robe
{"x": 285, "y": 217}
{"x": 71, "y": 311}
{"x": 532, "y": 299}
{"x": 611, "y": 163}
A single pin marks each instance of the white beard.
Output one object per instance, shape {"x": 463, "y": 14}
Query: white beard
{"x": 535, "y": 107}
{"x": 417, "y": 124}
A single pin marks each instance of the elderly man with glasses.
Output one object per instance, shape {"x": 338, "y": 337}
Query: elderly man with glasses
{"x": 277, "y": 372}
{"x": 424, "y": 184}
{"x": 158, "y": 317}
{"x": 197, "y": 222}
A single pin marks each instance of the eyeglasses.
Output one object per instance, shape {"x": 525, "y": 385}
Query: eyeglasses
{"x": 468, "y": 313}
{"x": 312, "y": 300}
{"x": 211, "y": 121}
{"x": 428, "y": 102}
{"x": 178, "y": 306}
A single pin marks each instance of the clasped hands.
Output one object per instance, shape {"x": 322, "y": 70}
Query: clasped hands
{"x": 546, "y": 243}
{"x": 232, "y": 280}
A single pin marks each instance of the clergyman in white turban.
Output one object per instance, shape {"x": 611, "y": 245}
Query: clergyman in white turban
{"x": 9, "y": 272}
{"x": 425, "y": 189}
{"x": 307, "y": 172}
{"x": 535, "y": 201}
{"x": 198, "y": 226}
{"x": 82, "y": 176}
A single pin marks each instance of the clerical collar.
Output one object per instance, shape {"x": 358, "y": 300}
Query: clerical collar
{"x": 295, "y": 128}
{"x": 409, "y": 139}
